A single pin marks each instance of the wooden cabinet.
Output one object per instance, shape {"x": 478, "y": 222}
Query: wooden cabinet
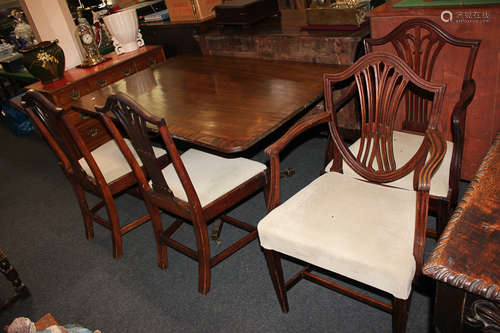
{"x": 475, "y": 22}
{"x": 176, "y": 38}
{"x": 78, "y": 82}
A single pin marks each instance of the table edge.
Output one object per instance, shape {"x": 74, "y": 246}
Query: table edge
{"x": 434, "y": 267}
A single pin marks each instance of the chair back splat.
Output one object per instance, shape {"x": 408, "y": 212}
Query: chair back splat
{"x": 195, "y": 187}
{"x": 380, "y": 87}
{"x": 352, "y": 221}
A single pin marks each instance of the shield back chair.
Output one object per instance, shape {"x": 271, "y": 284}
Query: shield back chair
{"x": 197, "y": 187}
{"x": 103, "y": 171}
{"x": 420, "y": 43}
{"x": 358, "y": 227}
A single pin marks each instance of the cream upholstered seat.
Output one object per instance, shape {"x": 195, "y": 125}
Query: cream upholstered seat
{"x": 212, "y": 176}
{"x": 405, "y": 146}
{"x": 111, "y": 162}
{"x": 353, "y": 223}
{"x": 196, "y": 187}
{"x": 321, "y": 226}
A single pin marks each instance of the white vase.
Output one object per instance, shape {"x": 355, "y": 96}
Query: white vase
{"x": 124, "y": 29}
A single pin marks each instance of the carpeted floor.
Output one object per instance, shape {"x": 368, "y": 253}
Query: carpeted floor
{"x": 78, "y": 281}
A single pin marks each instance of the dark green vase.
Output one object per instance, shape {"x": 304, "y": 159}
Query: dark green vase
{"x": 44, "y": 60}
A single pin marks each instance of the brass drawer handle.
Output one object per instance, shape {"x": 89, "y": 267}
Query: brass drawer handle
{"x": 84, "y": 116}
{"x": 93, "y": 132}
{"x": 75, "y": 94}
{"x": 126, "y": 71}
{"x": 102, "y": 83}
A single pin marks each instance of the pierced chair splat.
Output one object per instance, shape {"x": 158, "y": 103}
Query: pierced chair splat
{"x": 358, "y": 227}
{"x": 196, "y": 187}
{"x": 102, "y": 171}
{"x": 422, "y": 44}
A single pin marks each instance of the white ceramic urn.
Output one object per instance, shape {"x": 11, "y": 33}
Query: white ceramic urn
{"x": 124, "y": 29}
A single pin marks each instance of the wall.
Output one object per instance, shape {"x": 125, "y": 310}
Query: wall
{"x": 51, "y": 19}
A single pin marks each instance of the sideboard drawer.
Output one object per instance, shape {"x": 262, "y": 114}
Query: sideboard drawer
{"x": 93, "y": 133}
{"x": 72, "y": 93}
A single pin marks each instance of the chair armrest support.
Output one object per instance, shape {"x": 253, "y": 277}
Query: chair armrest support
{"x": 437, "y": 150}
{"x": 458, "y": 114}
{"x": 273, "y": 151}
{"x": 458, "y": 134}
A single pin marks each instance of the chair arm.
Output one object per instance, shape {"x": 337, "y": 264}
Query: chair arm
{"x": 458, "y": 115}
{"x": 273, "y": 151}
{"x": 437, "y": 150}
{"x": 467, "y": 94}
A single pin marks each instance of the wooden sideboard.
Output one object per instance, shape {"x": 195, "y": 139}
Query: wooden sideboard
{"x": 284, "y": 38}
{"x": 475, "y": 22}
{"x": 78, "y": 82}
{"x": 466, "y": 260}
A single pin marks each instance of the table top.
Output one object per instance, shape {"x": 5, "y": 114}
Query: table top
{"x": 221, "y": 103}
{"x": 467, "y": 255}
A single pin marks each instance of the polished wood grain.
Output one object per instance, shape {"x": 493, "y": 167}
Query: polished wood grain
{"x": 221, "y": 103}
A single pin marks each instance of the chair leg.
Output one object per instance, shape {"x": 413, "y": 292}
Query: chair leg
{"x": 276, "y": 271}
{"x": 161, "y": 247}
{"x": 203, "y": 246}
{"x": 399, "y": 314}
{"x": 84, "y": 208}
{"x": 116, "y": 235}
{"x": 442, "y": 216}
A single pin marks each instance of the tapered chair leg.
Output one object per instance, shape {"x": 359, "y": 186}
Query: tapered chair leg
{"x": 203, "y": 246}
{"x": 84, "y": 207}
{"x": 276, "y": 271}
{"x": 161, "y": 247}
{"x": 115, "y": 226}
{"x": 399, "y": 314}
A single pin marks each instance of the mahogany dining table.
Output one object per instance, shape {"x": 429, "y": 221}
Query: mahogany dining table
{"x": 224, "y": 104}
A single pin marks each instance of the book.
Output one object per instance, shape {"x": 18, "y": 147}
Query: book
{"x": 162, "y": 15}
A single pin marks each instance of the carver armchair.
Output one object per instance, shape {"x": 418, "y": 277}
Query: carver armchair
{"x": 196, "y": 187}
{"x": 359, "y": 227}
{"x": 103, "y": 171}
{"x": 420, "y": 43}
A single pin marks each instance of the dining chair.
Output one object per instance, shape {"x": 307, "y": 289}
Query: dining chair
{"x": 359, "y": 228}
{"x": 196, "y": 187}
{"x": 420, "y": 43}
{"x": 103, "y": 171}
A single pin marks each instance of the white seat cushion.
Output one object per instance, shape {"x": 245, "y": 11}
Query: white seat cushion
{"x": 111, "y": 161}
{"x": 405, "y": 146}
{"x": 357, "y": 229}
{"x": 212, "y": 176}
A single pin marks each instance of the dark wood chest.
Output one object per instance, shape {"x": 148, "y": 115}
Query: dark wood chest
{"x": 244, "y": 12}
